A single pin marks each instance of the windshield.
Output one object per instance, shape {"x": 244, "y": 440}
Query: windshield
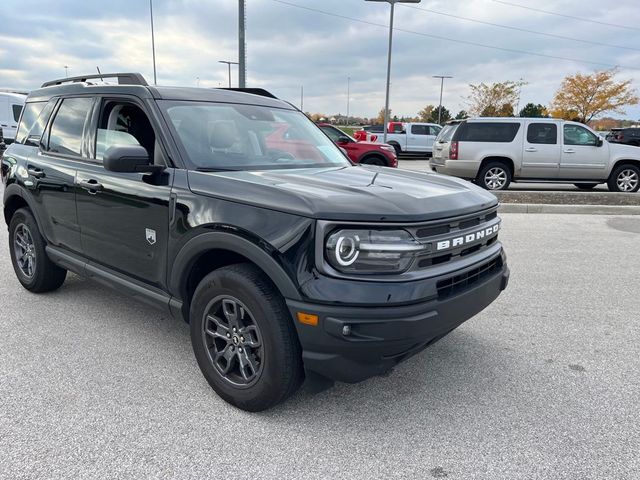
{"x": 446, "y": 133}
{"x": 220, "y": 136}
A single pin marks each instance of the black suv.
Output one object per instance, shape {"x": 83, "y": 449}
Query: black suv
{"x": 628, "y": 136}
{"x": 233, "y": 211}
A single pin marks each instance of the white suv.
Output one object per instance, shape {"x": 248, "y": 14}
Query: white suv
{"x": 493, "y": 152}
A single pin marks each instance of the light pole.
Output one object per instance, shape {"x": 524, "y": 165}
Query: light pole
{"x": 348, "y": 97}
{"x": 153, "y": 43}
{"x": 66, "y": 71}
{"x": 441, "y": 77}
{"x": 229, "y": 65}
{"x": 302, "y": 98}
{"x": 242, "y": 45}
{"x": 386, "y": 101}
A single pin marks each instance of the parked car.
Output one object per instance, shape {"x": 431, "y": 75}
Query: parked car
{"x": 3, "y": 146}
{"x": 628, "y": 136}
{"x": 493, "y": 152}
{"x": 10, "y": 109}
{"x": 369, "y": 153}
{"x": 234, "y": 212}
{"x": 411, "y": 137}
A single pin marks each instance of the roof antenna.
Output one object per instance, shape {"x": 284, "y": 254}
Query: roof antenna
{"x": 100, "y": 73}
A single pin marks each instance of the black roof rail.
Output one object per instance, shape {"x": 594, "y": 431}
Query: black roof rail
{"x": 123, "y": 79}
{"x": 255, "y": 91}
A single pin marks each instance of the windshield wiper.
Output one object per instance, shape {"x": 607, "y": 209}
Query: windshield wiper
{"x": 217, "y": 169}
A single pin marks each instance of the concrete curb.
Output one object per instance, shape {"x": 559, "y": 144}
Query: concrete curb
{"x": 570, "y": 209}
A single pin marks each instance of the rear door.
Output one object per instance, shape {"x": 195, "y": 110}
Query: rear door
{"x": 584, "y": 155}
{"x": 124, "y": 217}
{"x": 541, "y": 151}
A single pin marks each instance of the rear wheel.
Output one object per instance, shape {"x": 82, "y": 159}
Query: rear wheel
{"x": 625, "y": 178}
{"x": 35, "y": 271}
{"x": 494, "y": 176}
{"x": 243, "y": 338}
{"x": 397, "y": 148}
{"x": 586, "y": 186}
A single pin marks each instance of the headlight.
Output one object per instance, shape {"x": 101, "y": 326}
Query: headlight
{"x": 388, "y": 148}
{"x": 371, "y": 251}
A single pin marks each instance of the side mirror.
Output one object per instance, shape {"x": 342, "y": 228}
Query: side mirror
{"x": 599, "y": 142}
{"x": 128, "y": 159}
{"x": 343, "y": 140}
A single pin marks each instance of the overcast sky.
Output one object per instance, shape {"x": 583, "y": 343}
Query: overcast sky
{"x": 290, "y": 46}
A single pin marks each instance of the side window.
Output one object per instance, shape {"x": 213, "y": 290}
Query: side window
{"x": 17, "y": 110}
{"x": 577, "y": 135}
{"x": 398, "y": 128}
{"x": 32, "y": 111}
{"x": 332, "y": 133}
{"x": 434, "y": 130}
{"x": 419, "y": 129}
{"x": 124, "y": 124}
{"x": 542, "y": 133}
{"x": 68, "y": 126}
{"x": 488, "y": 132}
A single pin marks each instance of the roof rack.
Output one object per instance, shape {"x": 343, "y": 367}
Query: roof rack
{"x": 123, "y": 79}
{"x": 255, "y": 91}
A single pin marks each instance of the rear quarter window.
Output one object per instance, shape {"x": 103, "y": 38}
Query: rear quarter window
{"x": 502, "y": 132}
{"x": 31, "y": 113}
{"x": 446, "y": 133}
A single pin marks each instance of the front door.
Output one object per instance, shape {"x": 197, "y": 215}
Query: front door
{"x": 124, "y": 217}
{"x": 541, "y": 151}
{"x": 584, "y": 155}
{"x": 420, "y": 139}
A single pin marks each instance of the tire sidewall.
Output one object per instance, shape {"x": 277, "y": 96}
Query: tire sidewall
{"x": 22, "y": 216}
{"x": 265, "y": 391}
{"x": 613, "y": 181}
{"x": 489, "y": 166}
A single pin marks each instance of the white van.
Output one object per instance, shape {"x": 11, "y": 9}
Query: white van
{"x": 493, "y": 152}
{"x": 11, "y": 105}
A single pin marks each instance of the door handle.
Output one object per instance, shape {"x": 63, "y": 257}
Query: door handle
{"x": 531, "y": 149}
{"x": 92, "y": 186}
{"x": 569, "y": 150}
{"x": 35, "y": 172}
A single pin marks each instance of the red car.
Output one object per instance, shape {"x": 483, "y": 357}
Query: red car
{"x": 361, "y": 152}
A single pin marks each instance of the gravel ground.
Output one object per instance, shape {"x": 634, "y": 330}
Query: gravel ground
{"x": 542, "y": 385}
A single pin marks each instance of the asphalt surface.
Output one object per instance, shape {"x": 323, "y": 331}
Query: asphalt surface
{"x": 543, "y": 384}
{"x": 423, "y": 165}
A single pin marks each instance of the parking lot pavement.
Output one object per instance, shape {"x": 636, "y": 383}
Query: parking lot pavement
{"x": 543, "y": 384}
{"x": 423, "y": 166}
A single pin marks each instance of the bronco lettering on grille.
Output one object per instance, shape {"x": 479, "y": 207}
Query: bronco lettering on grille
{"x": 465, "y": 239}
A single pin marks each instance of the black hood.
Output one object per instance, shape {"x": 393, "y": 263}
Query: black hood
{"x": 358, "y": 193}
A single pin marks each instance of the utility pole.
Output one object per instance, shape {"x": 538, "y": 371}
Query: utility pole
{"x": 153, "y": 43}
{"x": 229, "y": 65}
{"x": 441, "y": 77}
{"x": 66, "y": 71}
{"x": 242, "y": 44}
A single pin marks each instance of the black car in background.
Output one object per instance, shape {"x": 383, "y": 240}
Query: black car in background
{"x": 628, "y": 136}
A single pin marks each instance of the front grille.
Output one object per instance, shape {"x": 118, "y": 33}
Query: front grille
{"x": 459, "y": 283}
{"x": 433, "y": 232}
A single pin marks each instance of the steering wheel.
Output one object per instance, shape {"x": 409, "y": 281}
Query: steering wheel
{"x": 280, "y": 156}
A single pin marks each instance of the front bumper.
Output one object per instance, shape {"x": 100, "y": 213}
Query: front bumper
{"x": 351, "y": 344}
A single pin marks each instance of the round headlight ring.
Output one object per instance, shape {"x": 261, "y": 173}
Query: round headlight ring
{"x": 347, "y": 250}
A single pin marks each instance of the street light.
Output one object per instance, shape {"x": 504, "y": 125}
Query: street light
{"x": 441, "y": 77}
{"x": 348, "y": 97}
{"x": 229, "y": 65}
{"x": 386, "y": 102}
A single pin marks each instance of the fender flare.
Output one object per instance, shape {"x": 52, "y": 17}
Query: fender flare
{"x": 15, "y": 190}
{"x": 189, "y": 253}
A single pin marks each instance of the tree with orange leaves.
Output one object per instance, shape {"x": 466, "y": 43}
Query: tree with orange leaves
{"x": 583, "y": 97}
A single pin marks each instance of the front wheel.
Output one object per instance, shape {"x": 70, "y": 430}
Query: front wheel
{"x": 494, "y": 176}
{"x": 374, "y": 161}
{"x": 35, "y": 271}
{"x": 625, "y": 178}
{"x": 243, "y": 338}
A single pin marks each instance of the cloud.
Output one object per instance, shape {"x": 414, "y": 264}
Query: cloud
{"x": 291, "y": 47}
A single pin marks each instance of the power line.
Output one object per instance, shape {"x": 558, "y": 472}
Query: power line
{"x": 455, "y": 40}
{"x": 582, "y": 19}
{"x": 519, "y": 29}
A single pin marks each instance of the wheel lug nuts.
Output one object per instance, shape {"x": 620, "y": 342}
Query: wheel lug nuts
{"x": 235, "y": 329}
{"x": 240, "y": 349}
{"x": 242, "y": 339}
{"x": 228, "y": 335}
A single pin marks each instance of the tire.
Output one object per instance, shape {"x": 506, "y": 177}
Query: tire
{"x": 259, "y": 364}
{"x": 374, "y": 161}
{"x": 586, "y": 186}
{"x": 35, "y": 271}
{"x": 624, "y": 178}
{"x": 397, "y": 149}
{"x": 494, "y": 176}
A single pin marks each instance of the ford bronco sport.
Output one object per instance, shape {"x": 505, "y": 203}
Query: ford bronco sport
{"x": 233, "y": 211}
